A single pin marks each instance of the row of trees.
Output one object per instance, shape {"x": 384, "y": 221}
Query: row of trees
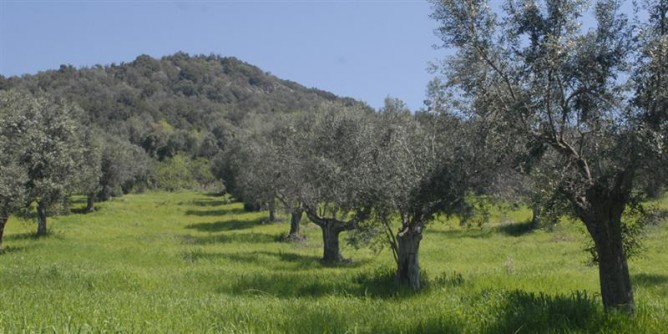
{"x": 150, "y": 123}
{"x": 351, "y": 169}
{"x": 578, "y": 115}
{"x": 47, "y": 156}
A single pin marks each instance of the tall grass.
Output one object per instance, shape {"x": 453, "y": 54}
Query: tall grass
{"x": 188, "y": 262}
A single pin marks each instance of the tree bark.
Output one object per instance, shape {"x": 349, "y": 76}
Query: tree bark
{"x": 272, "y": 211}
{"x": 330, "y": 238}
{"x": 408, "y": 265}
{"x": 4, "y": 217}
{"x": 535, "y": 217}
{"x": 41, "y": 219}
{"x": 90, "y": 203}
{"x": 295, "y": 220}
{"x": 604, "y": 224}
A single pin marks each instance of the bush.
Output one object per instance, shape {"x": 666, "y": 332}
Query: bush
{"x": 181, "y": 172}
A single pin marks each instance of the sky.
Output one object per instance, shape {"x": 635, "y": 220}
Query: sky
{"x": 365, "y": 49}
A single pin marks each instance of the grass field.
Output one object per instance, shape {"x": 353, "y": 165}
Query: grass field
{"x": 191, "y": 263}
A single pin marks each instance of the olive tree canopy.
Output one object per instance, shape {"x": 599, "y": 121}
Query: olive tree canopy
{"x": 538, "y": 74}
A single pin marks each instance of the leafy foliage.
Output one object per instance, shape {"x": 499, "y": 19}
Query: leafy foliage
{"x": 536, "y": 74}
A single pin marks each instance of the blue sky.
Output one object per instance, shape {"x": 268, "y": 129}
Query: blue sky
{"x": 363, "y": 49}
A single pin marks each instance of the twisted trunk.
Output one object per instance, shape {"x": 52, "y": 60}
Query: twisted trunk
{"x": 41, "y": 218}
{"x": 90, "y": 203}
{"x": 272, "y": 211}
{"x": 535, "y": 217}
{"x": 331, "y": 228}
{"x": 408, "y": 264}
{"x": 295, "y": 220}
{"x": 4, "y": 217}
{"x": 605, "y": 228}
{"x": 330, "y": 238}
{"x": 603, "y": 219}
{"x": 616, "y": 289}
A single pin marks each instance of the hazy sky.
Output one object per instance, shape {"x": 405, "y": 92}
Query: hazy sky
{"x": 363, "y": 49}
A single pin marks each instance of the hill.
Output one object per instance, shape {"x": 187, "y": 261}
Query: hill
{"x": 191, "y": 93}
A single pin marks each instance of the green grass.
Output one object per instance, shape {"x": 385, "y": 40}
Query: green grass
{"x": 188, "y": 262}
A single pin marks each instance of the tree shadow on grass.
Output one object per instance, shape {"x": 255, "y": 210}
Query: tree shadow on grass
{"x": 294, "y": 284}
{"x": 290, "y": 284}
{"x": 464, "y": 233}
{"x": 273, "y": 260}
{"x": 219, "y": 212}
{"x": 382, "y": 284}
{"x": 209, "y": 202}
{"x": 7, "y": 249}
{"x": 27, "y": 236}
{"x": 517, "y": 229}
{"x": 247, "y": 238}
{"x": 526, "y": 312}
{"x": 278, "y": 260}
{"x": 648, "y": 280}
{"x": 82, "y": 210}
{"x": 225, "y": 225}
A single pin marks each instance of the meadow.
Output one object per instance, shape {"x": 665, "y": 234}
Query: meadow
{"x": 188, "y": 262}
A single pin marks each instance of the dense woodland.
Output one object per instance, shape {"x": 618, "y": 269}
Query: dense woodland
{"x": 532, "y": 109}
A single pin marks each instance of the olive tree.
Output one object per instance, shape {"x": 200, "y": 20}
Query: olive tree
{"x": 335, "y": 173}
{"x": 123, "y": 167}
{"x": 247, "y": 164}
{"x": 50, "y": 150}
{"x": 13, "y": 176}
{"x": 534, "y": 71}
{"x": 91, "y": 167}
{"x": 421, "y": 172}
{"x": 273, "y": 150}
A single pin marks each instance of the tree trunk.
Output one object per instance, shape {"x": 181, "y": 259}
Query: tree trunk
{"x": 605, "y": 227}
{"x": 272, "y": 211}
{"x": 90, "y": 203}
{"x": 41, "y": 219}
{"x": 330, "y": 238}
{"x": 3, "y": 220}
{"x": 295, "y": 220}
{"x": 408, "y": 265}
{"x": 535, "y": 217}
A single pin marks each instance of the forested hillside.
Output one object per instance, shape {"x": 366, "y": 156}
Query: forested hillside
{"x": 177, "y": 105}
{"x": 188, "y": 92}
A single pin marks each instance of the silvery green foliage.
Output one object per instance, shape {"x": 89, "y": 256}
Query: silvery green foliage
{"x": 91, "y": 162}
{"x": 651, "y": 78}
{"x": 421, "y": 167}
{"x": 337, "y": 168}
{"x": 590, "y": 96}
{"x": 537, "y": 72}
{"x": 422, "y": 163}
{"x": 269, "y": 149}
{"x": 124, "y": 167}
{"x": 45, "y": 144}
{"x": 13, "y": 176}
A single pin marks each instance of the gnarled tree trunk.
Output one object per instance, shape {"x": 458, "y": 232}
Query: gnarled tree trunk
{"x": 90, "y": 203}
{"x": 4, "y": 217}
{"x": 535, "y": 217}
{"x": 331, "y": 228}
{"x": 408, "y": 265}
{"x": 604, "y": 224}
{"x": 295, "y": 220}
{"x": 330, "y": 238}
{"x": 272, "y": 211}
{"x": 41, "y": 219}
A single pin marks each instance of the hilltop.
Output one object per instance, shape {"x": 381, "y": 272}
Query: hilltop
{"x": 202, "y": 93}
